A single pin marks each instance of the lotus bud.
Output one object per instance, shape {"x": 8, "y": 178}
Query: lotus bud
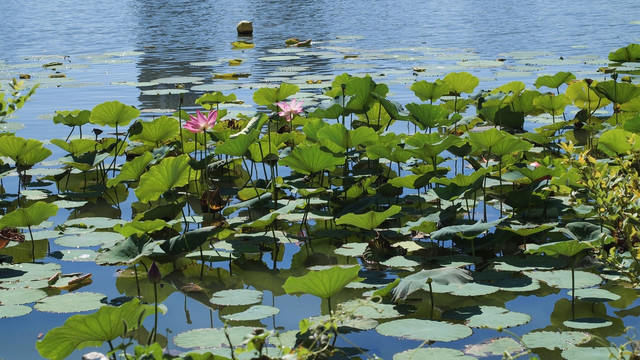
{"x": 154, "y": 273}
{"x": 588, "y": 81}
{"x": 614, "y": 76}
{"x": 343, "y": 87}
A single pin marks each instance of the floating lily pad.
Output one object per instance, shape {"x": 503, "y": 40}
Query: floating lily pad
{"x": 236, "y": 297}
{"x": 71, "y": 302}
{"x": 164, "y": 92}
{"x": 9, "y": 311}
{"x": 488, "y": 316}
{"x": 432, "y": 353}
{"x": 496, "y": 346}
{"x": 594, "y": 295}
{"x": 178, "y": 80}
{"x": 96, "y": 238}
{"x": 211, "y": 338}
{"x": 587, "y": 323}
{"x": 552, "y": 340}
{"x": 370, "y": 310}
{"x": 27, "y": 271}
{"x": 351, "y": 249}
{"x": 562, "y": 278}
{"x": 400, "y": 262}
{"x": 96, "y": 222}
{"x": 21, "y": 296}
{"x": 424, "y": 330}
{"x": 587, "y": 353}
{"x": 527, "y": 262}
{"x": 255, "y": 312}
{"x": 279, "y": 58}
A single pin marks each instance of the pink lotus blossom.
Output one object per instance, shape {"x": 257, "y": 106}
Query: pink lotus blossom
{"x": 290, "y": 110}
{"x": 201, "y": 123}
{"x": 535, "y": 164}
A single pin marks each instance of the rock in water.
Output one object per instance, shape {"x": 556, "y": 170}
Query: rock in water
{"x": 245, "y": 27}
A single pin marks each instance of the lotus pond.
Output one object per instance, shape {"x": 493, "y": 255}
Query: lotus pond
{"x": 426, "y": 203}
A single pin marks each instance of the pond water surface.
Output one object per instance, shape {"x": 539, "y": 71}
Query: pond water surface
{"x": 115, "y": 50}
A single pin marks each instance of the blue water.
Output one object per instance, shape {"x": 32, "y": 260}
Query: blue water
{"x": 162, "y": 38}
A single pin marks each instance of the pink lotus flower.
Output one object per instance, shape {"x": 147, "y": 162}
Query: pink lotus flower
{"x": 535, "y": 164}
{"x": 201, "y": 123}
{"x": 290, "y": 110}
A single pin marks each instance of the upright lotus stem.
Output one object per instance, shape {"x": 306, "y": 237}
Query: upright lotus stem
{"x": 155, "y": 277}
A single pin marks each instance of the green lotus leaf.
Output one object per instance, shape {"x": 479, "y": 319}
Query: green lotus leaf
{"x": 211, "y": 338}
{"x": 618, "y": 92}
{"x": 562, "y": 278}
{"x": 509, "y": 145}
{"x": 424, "y": 330}
{"x": 20, "y": 296}
{"x": 237, "y": 146}
{"x": 129, "y": 251}
{"x": 395, "y": 154}
{"x": 510, "y": 89}
{"x": 427, "y": 115}
{"x": 30, "y": 216}
{"x": 269, "y": 96}
{"x": 322, "y": 283}
{"x": 615, "y": 142}
{"x": 487, "y": 316}
{"x": 444, "y": 276}
{"x": 586, "y": 231}
{"x": 209, "y": 100}
{"x": 461, "y": 82}
{"x": 113, "y": 113}
{"x": 255, "y": 312}
{"x": 158, "y": 131}
{"x": 312, "y": 126}
{"x": 552, "y": 340}
{"x": 72, "y": 118}
{"x": 81, "y": 331}
{"x": 9, "y": 311}
{"x": 236, "y": 297}
{"x": 71, "y": 302}
{"x": 360, "y": 88}
{"x": 189, "y": 241}
{"x": 495, "y": 346}
{"x": 370, "y": 220}
{"x": 131, "y": 170}
{"x": 554, "y": 81}
{"x": 552, "y": 104}
{"x": 25, "y": 152}
{"x": 487, "y": 139}
{"x": 585, "y": 97}
{"x": 430, "y": 91}
{"x": 86, "y": 161}
{"x": 170, "y": 173}
{"x": 77, "y": 146}
{"x": 629, "y": 53}
{"x": 311, "y": 159}
{"x": 431, "y": 145}
{"x": 565, "y": 248}
{"x": 432, "y": 353}
{"x": 140, "y": 227}
{"x": 346, "y": 139}
{"x": 411, "y": 181}
{"x": 467, "y": 231}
